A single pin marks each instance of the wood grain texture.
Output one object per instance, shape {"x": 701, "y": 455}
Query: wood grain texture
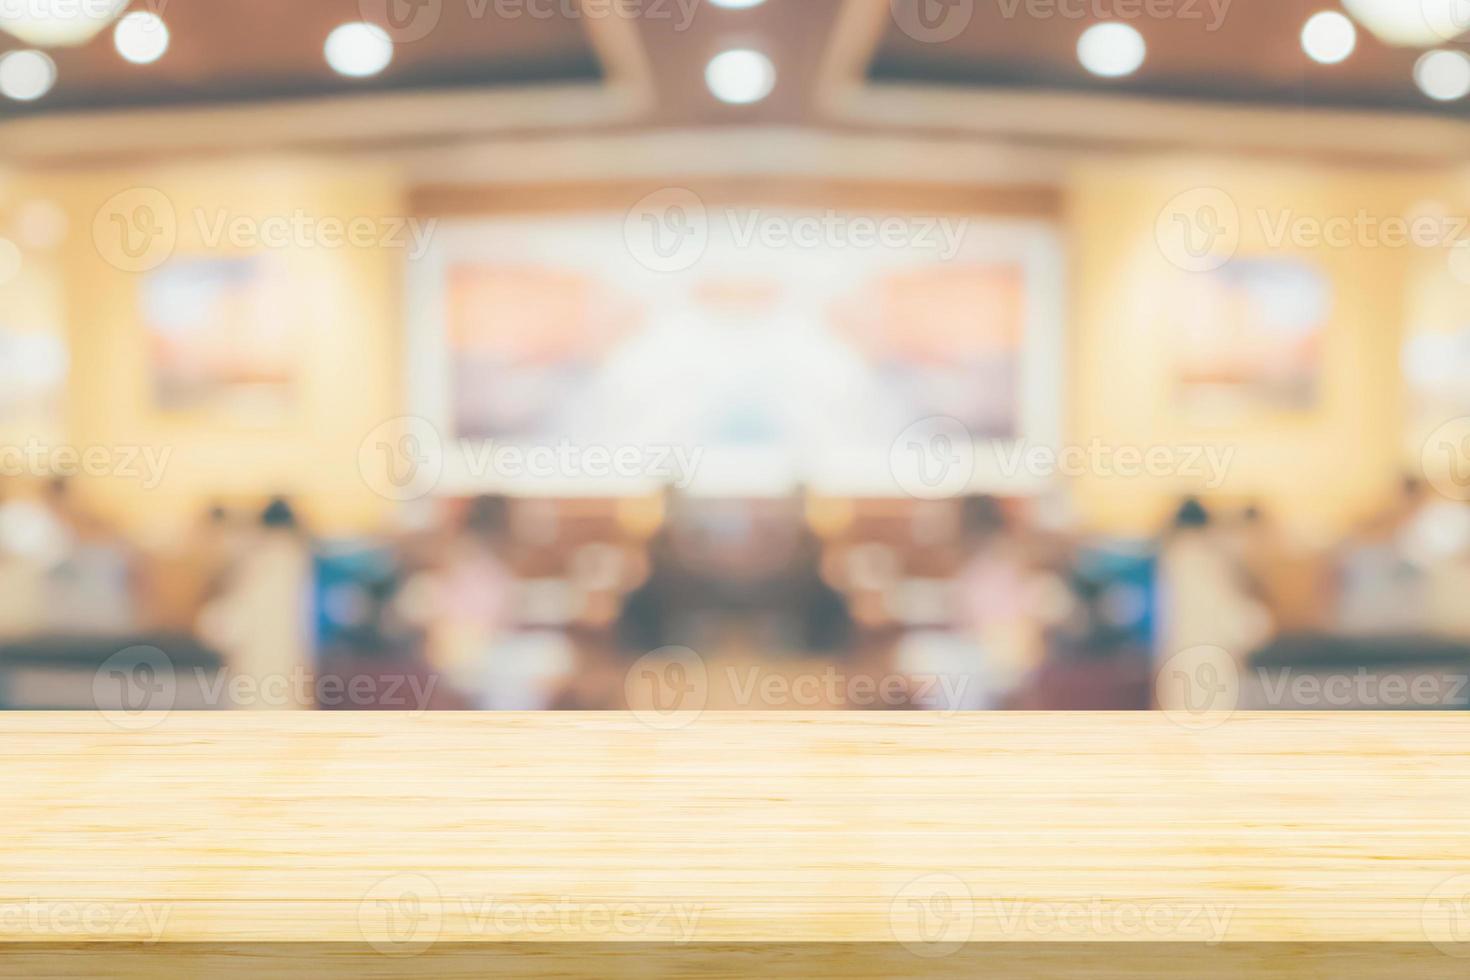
{"x": 401, "y": 831}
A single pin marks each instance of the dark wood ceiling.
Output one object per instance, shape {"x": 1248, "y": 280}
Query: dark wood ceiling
{"x": 243, "y": 50}
{"x": 1251, "y": 54}
{"x": 246, "y": 50}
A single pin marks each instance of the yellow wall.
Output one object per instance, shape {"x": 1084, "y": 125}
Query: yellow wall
{"x": 347, "y": 312}
{"x": 31, "y": 302}
{"x": 1319, "y": 470}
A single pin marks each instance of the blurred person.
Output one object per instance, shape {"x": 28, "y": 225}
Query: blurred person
{"x": 1094, "y": 659}
{"x": 95, "y": 587}
{"x": 215, "y": 543}
{"x": 1382, "y": 582}
{"x": 818, "y": 616}
{"x": 525, "y": 671}
{"x": 942, "y": 671}
{"x": 32, "y": 543}
{"x": 261, "y": 620}
{"x": 1249, "y": 536}
{"x": 1205, "y": 598}
{"x": 60, "y": 500}
{"x": 993, "y": 591}
{"x": 1434, "y": 539}
{"x": 1268, "y": 564}
{"x": 476, "y": 605}
{"x": 185, "y": 572}
{"x": 740, "y": 573}
{"x": 72, "y": 571}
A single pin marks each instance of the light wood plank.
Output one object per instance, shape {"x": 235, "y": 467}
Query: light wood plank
{"x": 398, "y": 831}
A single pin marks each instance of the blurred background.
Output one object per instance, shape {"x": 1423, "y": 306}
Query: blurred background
{"x": 770, "y": 354}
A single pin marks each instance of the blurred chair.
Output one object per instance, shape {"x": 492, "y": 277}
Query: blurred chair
{"x": 1322, "y": 671}
{"x": 111, "y": 673}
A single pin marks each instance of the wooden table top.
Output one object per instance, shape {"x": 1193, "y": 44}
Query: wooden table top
{"x": 923, "y": 830}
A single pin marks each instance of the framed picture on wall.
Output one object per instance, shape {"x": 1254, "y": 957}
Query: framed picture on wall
{"x": 782, "y": 359}
{"x": 1249, "y": 336}
{"x": 220, "y": 337}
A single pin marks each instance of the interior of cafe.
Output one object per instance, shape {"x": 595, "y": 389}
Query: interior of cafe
{"x": 771, "y": 354}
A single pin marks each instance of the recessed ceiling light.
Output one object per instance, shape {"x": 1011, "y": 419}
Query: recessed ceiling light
{"x": 1329, "y": 37}
{"x": 26, "y": 75}
{"x": 141, "y": 37}
{"x": 740, "y": 76}
{"x": 1111, "y": 50}
{"x": 1443, "y": 75}
{"x": 359, "y": 50}
{"x": 737, "y": 4}
{"x": 1412, "y": 23}
{"x": 58, "y": 23}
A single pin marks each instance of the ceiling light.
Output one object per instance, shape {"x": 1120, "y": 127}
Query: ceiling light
{"x": 141, "y": 37}
{"x": 359, "y": 50}
{"x": 26, "y": 75}
{"x": 1329, "y": 37}
{"x": 1412, "y": 23}
{"x": 1111, "y": 50}
{"x": 58, "y": 23}
{"x": 1443, "y": 75}
{"x": 740, "y": 76}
